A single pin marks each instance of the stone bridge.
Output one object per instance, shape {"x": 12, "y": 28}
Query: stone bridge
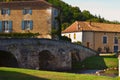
{"x": 41, "y": 53}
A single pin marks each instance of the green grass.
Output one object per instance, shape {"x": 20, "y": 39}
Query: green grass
{"x": 26, "y": 74}
{"x": 98, "y": 62}
{"x": 95, "y": 62}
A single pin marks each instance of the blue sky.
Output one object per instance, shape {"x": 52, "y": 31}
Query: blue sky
{"x": 109, "y": 9}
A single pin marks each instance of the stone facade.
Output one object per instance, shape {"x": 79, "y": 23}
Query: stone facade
{"x": 44, "y": 53}
{"x": 42, "y": 15}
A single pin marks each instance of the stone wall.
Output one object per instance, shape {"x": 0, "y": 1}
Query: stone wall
{"x": 28, "y": 53}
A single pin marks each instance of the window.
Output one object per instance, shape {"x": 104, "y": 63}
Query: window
{"x": 69, "y": 35}
{"x": 55, "y": 12}
{"x": 74, "y": 36}
{"x": 104, "y": 39}
{"x": 6, "y": 26}
{"x": 27, "y": 11}
{"x": 5, "y": 11}
{"x": 115, "y": 48}
{"x": 27, "y": 25}
{"x": 115, "y": 40}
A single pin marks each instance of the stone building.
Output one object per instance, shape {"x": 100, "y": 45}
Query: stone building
{"x": 98, "y": 36}
{"x": 35, "y": 16}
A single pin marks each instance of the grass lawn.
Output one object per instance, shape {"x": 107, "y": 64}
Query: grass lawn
{"x": 26, "y": 74}
{"x": 98, "y": 62}
{"x": 95, "y": 62}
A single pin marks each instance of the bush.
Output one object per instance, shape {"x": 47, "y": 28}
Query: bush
{"x": 65, "y": 38}
{"x": 78, "y": 42}
{"x": 18, "y": 35}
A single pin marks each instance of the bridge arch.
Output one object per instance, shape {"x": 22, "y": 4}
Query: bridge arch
{"x": 7, "y": 59}
{"x": 46, "y": 60}
{"x": 75, "y": 58}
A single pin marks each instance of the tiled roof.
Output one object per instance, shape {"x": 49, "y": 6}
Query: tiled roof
{"x": 25, "y": 3}
{"x": 92, "y": 26}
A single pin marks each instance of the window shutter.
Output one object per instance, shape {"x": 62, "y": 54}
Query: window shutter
{"x": 8, "y": 12}
{"x": 1, "y": 11}
{"x": 31, "y": 25}
{"x": 23, "y": 11}
{"x": 10, "y": 26}
{"x": 30, "y": 11}
{"x": 0, "y": 26}
{"x": 23, "y": 26}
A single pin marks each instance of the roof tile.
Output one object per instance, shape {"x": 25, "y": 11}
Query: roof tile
{"x": 92, "y": 26}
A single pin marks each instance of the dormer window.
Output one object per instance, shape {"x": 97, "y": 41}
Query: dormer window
{"x": 27, "y": 11}
{"x": 5, "y": 11}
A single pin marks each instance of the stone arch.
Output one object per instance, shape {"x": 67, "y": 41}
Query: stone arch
{"x": 7, "y": 59}
{"x": 75, "y": 57}
{"x": 46, "y": 60}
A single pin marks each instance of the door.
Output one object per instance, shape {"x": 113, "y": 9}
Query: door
{"x": 115, "y": 48}
{"x": 88, "y": 44}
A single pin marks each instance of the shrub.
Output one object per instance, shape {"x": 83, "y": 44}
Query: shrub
{"x": 78, "y": 42}
{"x": 65, "y": 38}
{"x": 19, "y": 35}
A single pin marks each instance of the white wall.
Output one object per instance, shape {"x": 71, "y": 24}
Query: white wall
{"x": 71, "y": 36}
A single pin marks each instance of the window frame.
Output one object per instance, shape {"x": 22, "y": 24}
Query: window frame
{"x": 5, "y": 11}
{"x": 116, "y": 40}
{"x": 7, "y": 28}
{"x": 27, "y": 22}
{"x": 104, "y": 39}
{"x": 27, "y": 11}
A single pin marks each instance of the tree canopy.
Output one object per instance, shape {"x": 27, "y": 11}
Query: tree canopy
{"x": 71, "y": 14}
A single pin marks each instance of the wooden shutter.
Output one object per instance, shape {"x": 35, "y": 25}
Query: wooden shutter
{"x": 23, "y": 26}
{"x": 8, "y": 12}
{"x": 23, "y": 11}
{"x": 31, "y": 25}
{"x": 0, "y": 26}
{"x": 10, "y": 26}
{"x": 30, "y": 11}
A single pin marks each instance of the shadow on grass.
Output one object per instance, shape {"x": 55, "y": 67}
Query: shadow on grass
{"x": 11, "y": 75}
{"x": 95, "y": 62}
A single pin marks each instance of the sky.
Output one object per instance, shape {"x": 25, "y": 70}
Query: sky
{"x": 109, "y": 9}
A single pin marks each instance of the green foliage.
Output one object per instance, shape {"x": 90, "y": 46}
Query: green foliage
{"x": 65, "y": 38}
{"x": 78, "y": 42}
{"x": 70, "y": 14}
{"x": 18, "y": 35}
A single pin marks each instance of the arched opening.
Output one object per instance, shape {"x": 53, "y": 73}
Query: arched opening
{"x": 75, "y": 59}
{"x": 46, "y": 60}
{"x": 7, "y": 59}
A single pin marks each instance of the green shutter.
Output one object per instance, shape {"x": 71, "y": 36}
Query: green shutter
{"x": 31, "y": 25}
{"x": 10, "y": 26}
{"x": 23, "y": 26}
{"x": 30, "y": 11}
{"x": 8, "y": 12}
{"x": 0, "y": 26}
{"x": 23, "y": 11}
